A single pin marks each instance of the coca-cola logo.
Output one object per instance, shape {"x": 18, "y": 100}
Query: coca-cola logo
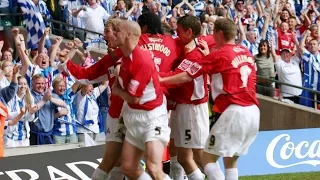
{"x": 304, "y": 152}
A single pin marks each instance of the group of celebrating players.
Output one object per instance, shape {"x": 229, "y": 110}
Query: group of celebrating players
{"x": 152, "y": 76}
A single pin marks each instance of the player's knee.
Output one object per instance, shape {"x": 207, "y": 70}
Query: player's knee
{"x": 127, "y": 169}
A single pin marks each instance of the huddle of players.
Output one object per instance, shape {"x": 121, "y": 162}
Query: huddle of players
{"x": 147, "y": 72}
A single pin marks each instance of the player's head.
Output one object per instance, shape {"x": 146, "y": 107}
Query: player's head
{"x": 150, "y": 23}
{"x": 127, "y": 34}
{"x": 189, "y": 27}
{"x": 109, "y": 31}
{"x": 225, "y": 30}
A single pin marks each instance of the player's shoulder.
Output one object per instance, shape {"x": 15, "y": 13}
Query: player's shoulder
{"x": 141, "y": 55}
{"x": 209, "y": 39}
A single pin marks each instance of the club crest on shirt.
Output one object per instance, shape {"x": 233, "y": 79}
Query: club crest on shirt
{"x": 184, "y": 65}
{"x": 194, "y": 68}
{"x": 133, "y": 86}
{"x": 237, "y": 49}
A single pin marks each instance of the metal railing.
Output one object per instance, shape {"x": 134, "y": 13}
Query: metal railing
{"x": 313, "y": 93}
{"x": 59, "y": 28}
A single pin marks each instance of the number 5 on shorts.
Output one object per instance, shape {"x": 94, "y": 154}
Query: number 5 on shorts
{"x": 188, "y": 135}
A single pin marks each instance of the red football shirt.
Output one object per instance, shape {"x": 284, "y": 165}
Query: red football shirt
{"x": 195, "y": 91}
{"x": 164, "y": 48}
{"x": 139, "y": 77}
{"x": 233, "y": 76}
{"x": 100, "y": 71}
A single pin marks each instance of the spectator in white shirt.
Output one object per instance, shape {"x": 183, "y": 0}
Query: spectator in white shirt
{"x": 289, "y": 72}
{"x": 88, "y": 110}
{"x": 93, "y": 16}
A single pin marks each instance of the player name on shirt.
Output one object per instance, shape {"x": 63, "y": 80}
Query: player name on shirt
{"x": 242, "y": 59}
{"x": 157, "y": 47}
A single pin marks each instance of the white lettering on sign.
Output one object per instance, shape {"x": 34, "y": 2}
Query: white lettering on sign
{"x": 53, "y": 171}
{"x": 77, "y": 171}
{"x": 14, "y": 176}
{"x": 290, "y": 149}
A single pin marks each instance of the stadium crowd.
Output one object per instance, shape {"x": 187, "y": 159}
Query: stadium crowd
{"x": 51, "y": 100}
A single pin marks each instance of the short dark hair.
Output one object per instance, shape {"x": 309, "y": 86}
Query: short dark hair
{"x": 191, "y": 22}
{"x": 227, "y": 26}
{"x": 152, "y": 21}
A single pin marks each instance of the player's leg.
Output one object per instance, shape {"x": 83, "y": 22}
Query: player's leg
{"x": 116, "y": 173}
{"x": 153, "y": 152}
{"x": 231, "y": 170}
{"x": 197, "y": 157}
{"x": 185, "y": 158}
{"x": 176, "y": 170}
{"x": 130, "y": 162}
{"x": 112, "y": 153}
{"x": 211, "y": 167}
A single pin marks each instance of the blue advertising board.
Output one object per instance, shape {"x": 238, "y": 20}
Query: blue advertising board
{"x": 285, "y": 151}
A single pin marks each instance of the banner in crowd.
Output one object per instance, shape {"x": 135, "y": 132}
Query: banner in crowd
{"x": 272, "y": 152}
{"x": 285, "y": 151}
{"x": 72, "y": 164}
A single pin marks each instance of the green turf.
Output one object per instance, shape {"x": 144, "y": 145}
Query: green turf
{"x": 291, "y": 176}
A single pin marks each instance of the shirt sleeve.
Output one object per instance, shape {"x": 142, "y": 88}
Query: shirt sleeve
{"x": 210, "y": 64}
{"x": 141, "y": 76}
{"x": 97, "y": 92}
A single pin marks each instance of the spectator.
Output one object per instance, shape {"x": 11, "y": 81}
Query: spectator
{"x": 289, "y": 72}
{"x": 265, "y": 69}
{"x": 93, "y": 16}
{"x": 64, "y": 129}
{"x": 88, "y": 110}
{"x": 69, "y": 8}
{"x": 18, "y": 131}
{"x": 6, "y": 74}
{"x": 41, "y": 127}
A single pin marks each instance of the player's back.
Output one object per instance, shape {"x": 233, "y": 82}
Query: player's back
{"x": 234, "y": 77}
{"x": 164, "y": 49}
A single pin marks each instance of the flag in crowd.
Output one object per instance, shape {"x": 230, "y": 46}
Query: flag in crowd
{"x": 34, "y": 22}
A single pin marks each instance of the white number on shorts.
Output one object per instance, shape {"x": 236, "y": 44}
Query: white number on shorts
{"x": 245, "y": 72}
{"x": 157, "y": 61}
{"x": 188, "y": 135}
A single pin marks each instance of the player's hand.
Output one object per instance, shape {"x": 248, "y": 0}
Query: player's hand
{"x": 204, "y": 49}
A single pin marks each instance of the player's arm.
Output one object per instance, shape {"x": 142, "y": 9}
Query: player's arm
{"x": 126, "y": 96}
{"x": 96, "y": 73}
{"x": 180, "y": 78}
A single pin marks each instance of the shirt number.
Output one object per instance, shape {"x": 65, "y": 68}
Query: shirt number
{"x": 245, "y": 71}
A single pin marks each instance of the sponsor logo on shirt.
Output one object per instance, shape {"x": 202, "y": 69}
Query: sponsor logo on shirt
{"x": 184, "y": 65}
{"x": 155, "y": 39}
{"x": 194, "y": 68}
{"x": 133, "y": 86}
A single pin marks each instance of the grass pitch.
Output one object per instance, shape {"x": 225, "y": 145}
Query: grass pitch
{"x": 291, "y": 176}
